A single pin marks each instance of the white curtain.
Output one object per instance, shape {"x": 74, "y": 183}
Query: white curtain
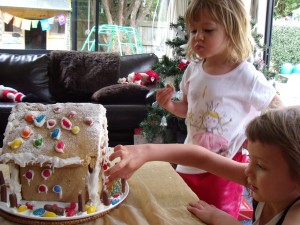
{"x": 176, "y": 8}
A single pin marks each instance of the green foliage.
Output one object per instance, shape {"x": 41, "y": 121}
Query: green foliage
{"x": 285, "y": 45}
{"x": 284, "y": 8}
{"x": 152, "y": 124}
{"x": 167, "y": 68}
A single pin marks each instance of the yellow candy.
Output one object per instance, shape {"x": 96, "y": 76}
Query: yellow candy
{"x": 49, "y": 214}
{"x": 16, "y": 143}
{"x": 22, "y": 208}
{"x": 75, "y": 130}
{"x": 91, "y": 209}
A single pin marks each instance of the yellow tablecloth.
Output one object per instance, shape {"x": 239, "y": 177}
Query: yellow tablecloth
{"x": 157, "y": 195}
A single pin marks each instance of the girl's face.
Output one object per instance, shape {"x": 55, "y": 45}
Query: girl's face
{"x": 208, "y": 37}
{"x": 269, "y": 176}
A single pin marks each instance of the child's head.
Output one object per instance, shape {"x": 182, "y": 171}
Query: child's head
{"x": 281, "y": 128}
{"x": 233, "y": 17}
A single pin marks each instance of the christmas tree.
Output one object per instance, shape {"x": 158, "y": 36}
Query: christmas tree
{"x": 159, "y": 121}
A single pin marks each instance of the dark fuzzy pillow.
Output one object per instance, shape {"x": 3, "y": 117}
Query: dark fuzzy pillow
{"x": 121, "y": 93}
{"x": 75, "y": 76}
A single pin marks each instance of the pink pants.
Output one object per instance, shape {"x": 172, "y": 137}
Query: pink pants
{"x": 222, "y": 193}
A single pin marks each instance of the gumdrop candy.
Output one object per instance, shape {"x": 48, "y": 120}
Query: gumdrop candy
{"x": 60, "y": 146}
{"x": 75, "y": 130}
{"x": 40, "y": 120}
{"x": 26, "y": 132}
{"x": 72, "y": 114}
{"x": 49, "y": 214}
{"x": 57, "y": 110}
{"x": 88, "y": 121}
{"x": 29, "y": 205}
{"x": 66, "y": 124}
{"x": 90, "y": 209}
{"x": 22, "y": 208}
{"x": 71, "y": 212}
{"x": 16, "y": 143}
{"x": 29, "y": 117}
{"x": 55, "y": 134}
{"x": 38, "y": 142}
{"x": 39, "y": 212}
{"x": 51, "y": 123}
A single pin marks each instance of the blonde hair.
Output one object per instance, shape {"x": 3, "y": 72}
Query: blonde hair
{"x": 235, "y": 20}
{"x": 281, "y": 128}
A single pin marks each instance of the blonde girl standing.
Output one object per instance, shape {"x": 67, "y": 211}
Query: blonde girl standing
{"x": 222, "y": 92}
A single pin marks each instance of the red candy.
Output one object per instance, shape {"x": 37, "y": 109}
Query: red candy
{"x": 70, "y": 213}
{"x": 29, "y": 205}
{"x": 43, "y": 188}
{"x": 73, "y": 205}
{"x": 46, "y": 173}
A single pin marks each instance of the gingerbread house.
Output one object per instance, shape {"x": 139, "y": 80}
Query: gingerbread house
{"x": 56, "y": 151}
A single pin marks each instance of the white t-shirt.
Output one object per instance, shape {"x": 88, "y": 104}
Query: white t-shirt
{"x": 220, "y": 107}
{"x": 274, "y": 220}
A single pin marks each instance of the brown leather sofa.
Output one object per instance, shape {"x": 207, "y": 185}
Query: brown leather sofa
{"x": 42, "y": 78}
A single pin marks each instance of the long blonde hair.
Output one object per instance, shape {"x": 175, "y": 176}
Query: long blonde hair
{"x": 235, "y": 20}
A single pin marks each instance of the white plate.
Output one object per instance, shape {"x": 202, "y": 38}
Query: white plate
{"x": 28, "y": 214}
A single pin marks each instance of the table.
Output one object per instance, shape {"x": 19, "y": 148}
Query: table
{"x": 157, "y": 196}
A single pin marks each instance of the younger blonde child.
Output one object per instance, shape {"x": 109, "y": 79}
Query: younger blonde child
{"x": 222, "y": 92}
{"x": 272, "y": 175}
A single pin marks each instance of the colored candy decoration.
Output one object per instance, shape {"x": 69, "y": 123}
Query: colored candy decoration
{"x": 38, "y": 142}
{"x": 71, "y": 212}
{"x": 26, "y": 132}
{"x": 51, "y": 123}
{"x": 88, "y": 121}
{"x": 90, "y": 208}
{"x": 29, "y": 205}
{"x": 49, "y": 214}
{"x": 46, "y": 173}
{"x": 39, "y": 212}
{"x": 115, "y": 201}
{"x": 55, "y": 134}
{"x": 40, "y": 120}
{"x": 29, "y": 117}
{"x": 16, "y": 143}
{"x": 29, "y": 175}
{"x": 66, "y": 124}
{"x": 22, "y": 208}
{"x": 72, "y": 114}
{"x": 60, "y": 146}
{"x": 57, "y": 189}
{"x": 42, "y": 188}
{"x": 57, "y": 110}
{"x": 75, "y": 130}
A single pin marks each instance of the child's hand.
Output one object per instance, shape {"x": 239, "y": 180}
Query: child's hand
{"x": 164, "y": 96}
{"x": 130, "y": 161}
{"x": 210, "y": 214}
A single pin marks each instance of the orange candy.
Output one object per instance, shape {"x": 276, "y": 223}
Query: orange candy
{"x": 29, "y": 117}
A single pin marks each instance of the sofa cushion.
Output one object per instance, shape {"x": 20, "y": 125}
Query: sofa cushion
{"x": 27, "y": 74}
{"x": 120, "y": 93}
{"x": 75, "y": 75}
